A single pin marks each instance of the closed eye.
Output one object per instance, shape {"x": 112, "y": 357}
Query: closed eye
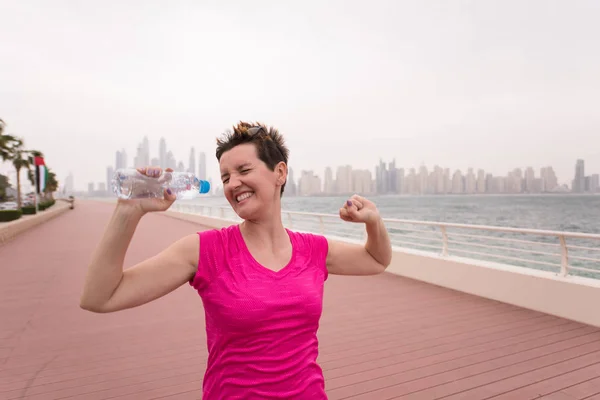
{"x": 244, "y": 171}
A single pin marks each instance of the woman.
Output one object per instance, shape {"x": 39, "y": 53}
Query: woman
{"x": 261, "y": 284}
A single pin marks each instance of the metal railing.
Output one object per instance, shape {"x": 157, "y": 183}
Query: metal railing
{"x": 564, "y": 253}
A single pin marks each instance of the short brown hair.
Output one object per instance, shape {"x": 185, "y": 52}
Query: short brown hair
{"x": 269, "y": 143}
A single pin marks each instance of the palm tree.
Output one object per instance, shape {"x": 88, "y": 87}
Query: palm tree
{"x": 3, "y": 186}
{"x": 51, "y": 184}
{"x": 7, "y": 143}
{"x": 31, "y": 175}
{"x": 20, "y": 159}
{"x": 11, "y": 149}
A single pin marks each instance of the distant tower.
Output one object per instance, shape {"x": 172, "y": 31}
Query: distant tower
{"x": 162, "y": 153}
{"x": 579, "y": 181}
{"x": 329, "y": 183}
{"x": 202, "y": 166}
{"x": 121, "y": 159}
{"x": 192, "y": 166}
{"x": 290, "y": 187}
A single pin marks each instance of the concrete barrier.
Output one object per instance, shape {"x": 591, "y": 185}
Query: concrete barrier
{"x": 572, "y": 297}
{"x": 9, "y": 230}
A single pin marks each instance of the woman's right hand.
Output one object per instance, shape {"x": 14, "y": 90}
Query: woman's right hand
{"x": 151, "y": 204}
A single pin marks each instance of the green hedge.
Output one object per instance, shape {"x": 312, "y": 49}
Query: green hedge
{"x": 46, "y": 204}
{"x": 28, "y": 210}
{"x": 9, "y": 215}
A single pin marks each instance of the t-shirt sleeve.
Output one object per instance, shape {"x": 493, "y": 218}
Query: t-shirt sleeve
{"x": 207, "y": 258}
{"x": 320, "y": 248}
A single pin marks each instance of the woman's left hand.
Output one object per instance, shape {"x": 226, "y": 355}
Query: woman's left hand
{"x": 359, "y": 209}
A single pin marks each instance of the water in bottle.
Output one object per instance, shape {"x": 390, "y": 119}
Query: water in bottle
{"x": 128, "y": 183}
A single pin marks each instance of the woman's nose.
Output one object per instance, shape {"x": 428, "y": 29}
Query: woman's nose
{"x": 234, "y": 182}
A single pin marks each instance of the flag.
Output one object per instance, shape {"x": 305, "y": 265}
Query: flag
{"x": 41, "y": 174}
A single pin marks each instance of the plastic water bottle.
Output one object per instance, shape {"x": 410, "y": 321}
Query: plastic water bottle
{"x": 128, "y": 183}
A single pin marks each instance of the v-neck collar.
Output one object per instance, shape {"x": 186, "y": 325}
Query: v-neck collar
{"x": 244, "y": 247}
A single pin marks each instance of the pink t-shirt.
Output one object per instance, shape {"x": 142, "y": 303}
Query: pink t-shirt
{"x": 261, "y": 325}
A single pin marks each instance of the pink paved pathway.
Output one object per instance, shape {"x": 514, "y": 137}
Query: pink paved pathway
{"x": 382, "y": 337}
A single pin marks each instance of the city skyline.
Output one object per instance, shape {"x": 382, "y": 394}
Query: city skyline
{"x": 143, "y": 152}
{"x": 383, "y": 178}
{"x": 389, "y": 179}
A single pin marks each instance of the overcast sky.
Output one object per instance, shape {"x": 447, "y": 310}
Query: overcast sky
{"x": 483, "y": 84}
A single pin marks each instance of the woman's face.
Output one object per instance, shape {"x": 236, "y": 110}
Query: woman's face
{"x": 250, "y": 187}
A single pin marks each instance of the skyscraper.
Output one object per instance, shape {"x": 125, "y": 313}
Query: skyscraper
{"x": 329, "y": 187}
{"x": 579, "y": 181}
{"x": 393, "y": 177}
{"x": 142, "y": 156}
{"x": 121, "y": 159}
{"x": 343, "y": 179}
{"x": 400, "y": 183}
{"x": 290, "y": 186}
{"x": 202, "y": 165}
{"x": 192, "y": 166}
{"x": 595, "y": 183}
{"x": 549, "y": 180}
{"x": 529, "y": 180}
{"x": 458, "y": 186}
{"x": 109, "y": 176}
{"x": 381, "y": 176}
{"x": 309, "y": 184}
{"x": 145, "y": 151}
{"x": 170, "y": 161}
{"x": 470, "y": 182}
{"x": 481, "y": 181}
{"x": 423, "y": 180}
{"x": 515, "y": 181}
{"x": 361, "y": 181}
{"x": 162, "y": 153}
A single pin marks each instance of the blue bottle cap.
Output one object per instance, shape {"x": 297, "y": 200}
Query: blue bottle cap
{"x": 204, "y": 187}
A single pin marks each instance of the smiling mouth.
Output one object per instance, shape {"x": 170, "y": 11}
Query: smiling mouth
{"x": 244, "y": 196}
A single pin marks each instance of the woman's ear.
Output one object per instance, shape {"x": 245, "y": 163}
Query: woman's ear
{"x": 282, "y": 172}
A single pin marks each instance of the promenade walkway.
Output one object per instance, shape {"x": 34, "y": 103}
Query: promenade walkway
{"x": 382, "y": 337}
